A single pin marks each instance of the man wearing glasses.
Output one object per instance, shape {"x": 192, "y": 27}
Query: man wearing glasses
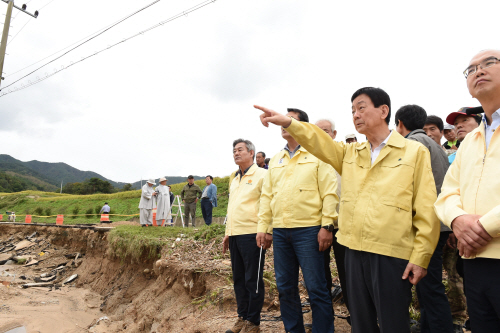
{"x": 470, "y": 197}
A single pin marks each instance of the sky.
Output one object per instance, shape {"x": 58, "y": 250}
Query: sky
{"x": 172, "y": 100}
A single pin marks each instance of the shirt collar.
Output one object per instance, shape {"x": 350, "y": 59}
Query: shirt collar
{"x": 383, "y": 142}
{"x": 244, "y": 171}
{"x": 494, "y": 116}
{"x": 294, "y": 151}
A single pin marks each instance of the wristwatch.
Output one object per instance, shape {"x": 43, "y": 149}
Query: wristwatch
{"x": 329, "y": 227}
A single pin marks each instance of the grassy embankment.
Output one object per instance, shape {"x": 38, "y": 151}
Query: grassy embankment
{"x": 85, "y": 206}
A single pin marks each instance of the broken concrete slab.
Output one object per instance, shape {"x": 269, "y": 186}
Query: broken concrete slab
{"x": 23, "y": 245}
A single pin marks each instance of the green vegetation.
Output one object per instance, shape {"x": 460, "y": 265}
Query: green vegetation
{"x": 90, "y": 186}
{"x": 12, "y": 182}
{"x": 139, "y": 243}
{"x": 123, "y": 203}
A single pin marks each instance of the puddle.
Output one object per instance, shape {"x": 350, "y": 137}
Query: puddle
{"x": 17, "y": 330}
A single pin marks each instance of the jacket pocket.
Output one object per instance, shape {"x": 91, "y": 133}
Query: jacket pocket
{"x": 393, "y": 222}
{"x": 307, "y": 203}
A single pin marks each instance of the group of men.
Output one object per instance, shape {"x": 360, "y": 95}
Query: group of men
{"x": 384, "y": 223}
{"x": 162, "y": 199}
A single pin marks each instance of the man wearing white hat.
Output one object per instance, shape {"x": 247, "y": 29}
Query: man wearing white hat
{"x": 162, "y": 202}
{"x": 147, "y": 203}
{"x": 350, "y": 138}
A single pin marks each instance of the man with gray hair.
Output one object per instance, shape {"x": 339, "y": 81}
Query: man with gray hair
{"x": 241, "y": 230}
{"x": 328, "y": 126}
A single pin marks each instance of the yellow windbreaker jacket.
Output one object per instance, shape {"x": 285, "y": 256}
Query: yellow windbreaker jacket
{"x": 244, "y": 199}
{"x": 385, "y": 208}
{"x": 472, "y": 186}
{"x": 298, "y": 192}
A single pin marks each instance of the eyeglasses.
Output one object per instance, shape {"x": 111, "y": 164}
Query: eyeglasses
{"x": 471, "y": 70}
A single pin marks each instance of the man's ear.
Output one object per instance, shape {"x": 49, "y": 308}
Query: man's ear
{"x": 385, "y": 111}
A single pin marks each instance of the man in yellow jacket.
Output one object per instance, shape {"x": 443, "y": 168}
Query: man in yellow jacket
{"x": 386, "y": 218}
{"x": 470, "y": 197}
{"x": 299, "y": 201}
{"x": 241, "y": 230}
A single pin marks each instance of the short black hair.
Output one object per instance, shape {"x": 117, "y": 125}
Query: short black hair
{"x": 190, "y": 177}
{"x": 378, "y": 96}
{"x": 267, "y": 160}
{"x": 302, "y": 115}
{"x": 169, "y": 186}
{"x": 435, "y": 120}
{"x": 263, "y": 154}
{"x": 412, "y": 116}
{"x": 210, "y": 177}
{"x": 105, "y": 203}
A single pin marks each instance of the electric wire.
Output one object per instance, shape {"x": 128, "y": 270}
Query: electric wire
{"x": 10, "y": 41}
{"x": 86, "y": 41}
{"x": 38, "y": 79}
{"x": 67, "y": 47}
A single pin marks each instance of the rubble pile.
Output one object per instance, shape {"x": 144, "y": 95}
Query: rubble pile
{"x": 34, "y": 262}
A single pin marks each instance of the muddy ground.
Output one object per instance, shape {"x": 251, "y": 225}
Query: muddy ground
{"x": 188, "y": 290}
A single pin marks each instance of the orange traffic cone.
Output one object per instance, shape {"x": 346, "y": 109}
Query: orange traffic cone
{"x": 27, "y": 219}
{"x": 154, "y": 218}
{"x": 104, "y": 218}
{"x": 59, "y": 219}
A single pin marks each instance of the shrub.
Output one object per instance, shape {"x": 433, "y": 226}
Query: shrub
{"x": 75, "y": 211}
{"x": 48, "y": 211}
{"x": 89, "y": 213}
{"x": 97, "y": 210}
{"x": 39, "y": 211}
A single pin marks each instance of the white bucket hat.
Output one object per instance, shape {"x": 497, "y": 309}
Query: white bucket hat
{"x": 162, "y": 179}
{"x": 151, "y": 181}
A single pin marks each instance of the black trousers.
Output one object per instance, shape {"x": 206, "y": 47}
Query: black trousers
{"x": 245, "y": 266}
{"x": 339, "y": 252}
{"x": 483, "y": 293}
{"x": 380, "y": 293}
{"x": 206, "y": 211}
{"x": 435, "y": 312}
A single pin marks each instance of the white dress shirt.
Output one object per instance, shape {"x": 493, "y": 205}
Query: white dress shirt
{"x": 490, "y": 129}
{"x": 375, "y": 152}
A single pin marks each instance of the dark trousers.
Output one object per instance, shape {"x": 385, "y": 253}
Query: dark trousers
{"x": 245, "y": 266}
{"x": 378, "y": 291}
{"x": 435, "y": 312}
{"x": 294, "y": 248}
{"x": 190, "y": 210}
{"x": 206, "y": 211}
{"x": 339, "y": 252}
{"x": 482, "y": 288}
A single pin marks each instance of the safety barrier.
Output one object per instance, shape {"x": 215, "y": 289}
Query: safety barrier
{"x": 105, "y": 218}
{"x": 27, "y": 219}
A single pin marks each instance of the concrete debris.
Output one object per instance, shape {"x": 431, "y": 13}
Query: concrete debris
{"x": 23, "y": 245}
{"x": 70, "y": 279}
{"x": 41, "y": 284}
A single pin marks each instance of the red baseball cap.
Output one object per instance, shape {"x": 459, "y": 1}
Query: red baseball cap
{"x": 465, "y": 111}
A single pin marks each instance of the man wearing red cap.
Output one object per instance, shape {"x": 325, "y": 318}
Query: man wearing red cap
{"x": 470, "y": 196}
{"x": 464, "y": 123}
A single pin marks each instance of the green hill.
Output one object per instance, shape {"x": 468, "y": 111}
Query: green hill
{"x": 13, "y": 182}
{"x": 124, "y": 203}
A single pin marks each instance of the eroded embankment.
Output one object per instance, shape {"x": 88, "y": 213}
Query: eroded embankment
{"x": 188, "y": 290}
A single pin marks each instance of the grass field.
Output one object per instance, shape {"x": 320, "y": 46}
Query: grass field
{"x": 81, "y": 209}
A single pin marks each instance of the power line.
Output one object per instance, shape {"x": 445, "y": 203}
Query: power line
{"x": 38, "y": 79}
{"x": 29, "y": 19}
{"x": 86, "y": 41}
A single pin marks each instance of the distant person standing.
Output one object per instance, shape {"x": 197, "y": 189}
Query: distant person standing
{"x": 261, "y": 160}
{"x": 162, "y": 202}
{"x": 451, "y": 137}
{"x": 147, "y": 203}
{"x": 208, "y": 199}
{"x": 351, "y": 138}
{"x": 105, "y": 209}
{"x": 189, "y": 195}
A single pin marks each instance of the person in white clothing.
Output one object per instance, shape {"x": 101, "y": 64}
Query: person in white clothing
{"x": 147, "y": 203}
{"x": 162, "y": 202}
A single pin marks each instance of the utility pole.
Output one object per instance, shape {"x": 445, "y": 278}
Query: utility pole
{"x": 6, "y": 25}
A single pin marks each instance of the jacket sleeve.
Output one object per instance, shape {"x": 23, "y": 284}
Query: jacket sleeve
{"x": 147, "y": 194}
{"x": 265, "y": 213}
{"x": 424, "y": 221}
{"x": 199, "y": 192}
{"x": 449, "y": 205}
{"x": 182, "y": 194}
{"x": 318, "y": 143}
{"x": 214, "y": 195}
{"x": 327, "y": 185}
